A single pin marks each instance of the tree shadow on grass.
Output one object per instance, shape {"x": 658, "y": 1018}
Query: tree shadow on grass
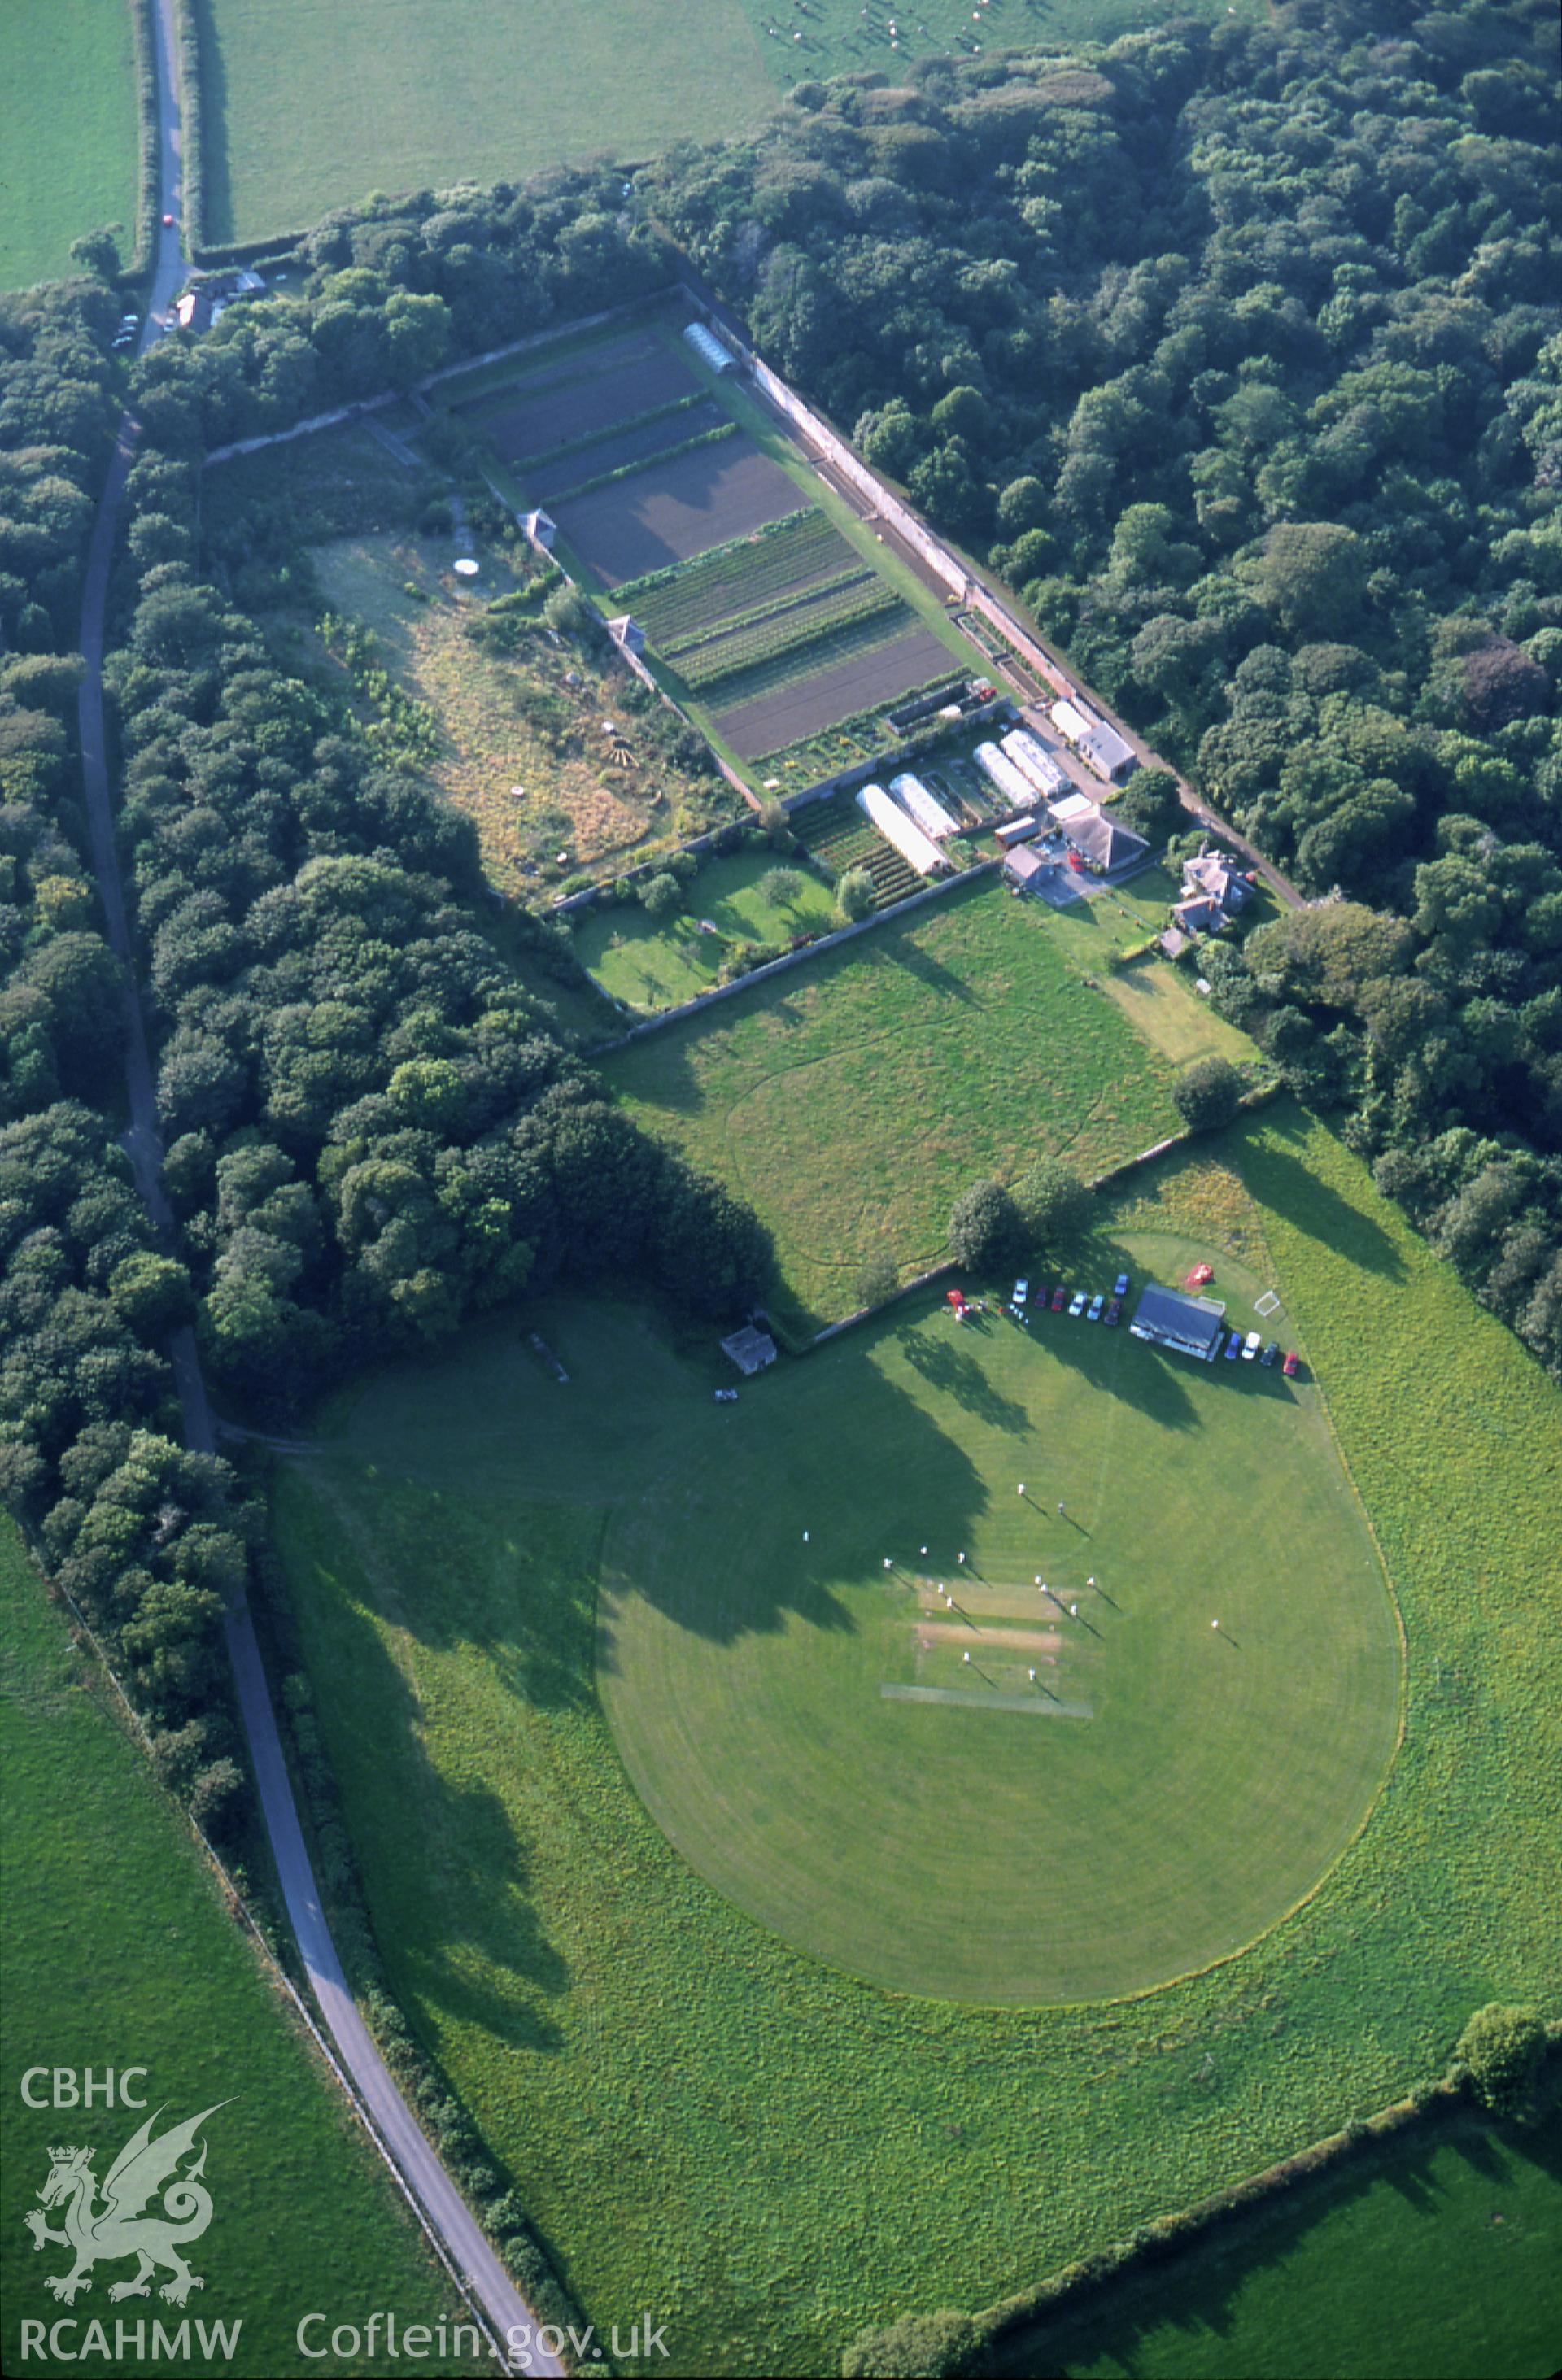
{"x": 1133, "y": 1371}
{"x": 1282, "y": 1181}
{"x": 918, "y": 961}
{"x": 958, "y": 1374}
{"x": 831, "y": 1446}
{"x": 461, "y": 1837}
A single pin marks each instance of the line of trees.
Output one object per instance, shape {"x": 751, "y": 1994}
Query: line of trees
{"x": 148, "y": 1538}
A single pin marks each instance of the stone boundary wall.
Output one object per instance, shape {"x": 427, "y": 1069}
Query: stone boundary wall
{"x": 1114, "y": 1174}
{"x": 705, "y": 999}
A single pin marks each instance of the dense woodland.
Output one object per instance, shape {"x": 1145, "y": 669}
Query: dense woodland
{"x": 1233, "y": 349}
{"x": 1236, "y": 350}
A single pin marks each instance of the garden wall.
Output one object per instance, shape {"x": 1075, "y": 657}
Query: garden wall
{"x": 795, "y": 958}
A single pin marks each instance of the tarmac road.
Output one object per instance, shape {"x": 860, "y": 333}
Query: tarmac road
{"x": 390, "y": 2118}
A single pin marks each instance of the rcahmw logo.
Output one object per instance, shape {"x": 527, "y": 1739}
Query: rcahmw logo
{"x": 151, "y": 2205}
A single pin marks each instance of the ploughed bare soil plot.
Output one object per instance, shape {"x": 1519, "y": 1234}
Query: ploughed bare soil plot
{"x": 774, "y": 721}
{"x": 672, "y": 511}
{"x": 544, "y": 482}
{"x": 591, "y": 392}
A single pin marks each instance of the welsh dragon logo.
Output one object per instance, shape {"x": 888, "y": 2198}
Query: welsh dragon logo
{"x": 118, "y": 2228}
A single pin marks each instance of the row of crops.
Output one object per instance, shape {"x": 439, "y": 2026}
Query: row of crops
{"x": 736, "y": 580}
{"x": 675, "y": 648}
{"x": 772, "y": 651}
{"x": 835, "y": 832}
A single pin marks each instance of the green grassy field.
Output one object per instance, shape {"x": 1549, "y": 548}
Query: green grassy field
{"x": 655, "y": 966}
{"x": 117, "y": 1951}
{"x": 311, "y": 106}
{"x": 1158, "y": 999}
{"x": 67, "y": 162}
{"x": 703, "y": 2119}
{"x": 852, "y": 1099}
{"x": 1438, "y": 2255}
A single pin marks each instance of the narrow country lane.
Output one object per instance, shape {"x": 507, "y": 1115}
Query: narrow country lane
{"x": 387, "y": 2113}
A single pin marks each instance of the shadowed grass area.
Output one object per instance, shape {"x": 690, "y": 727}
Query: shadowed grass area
{"x": 117, "y": 1951}
{"x": 703, "y": 2119}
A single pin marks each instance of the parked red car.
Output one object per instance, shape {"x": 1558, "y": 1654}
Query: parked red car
{"x": 1291, "y": 1365}
{"x": 1060, "y": 1297}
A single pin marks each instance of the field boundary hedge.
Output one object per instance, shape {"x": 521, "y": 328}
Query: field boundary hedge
{"x": 144, "y": 35}
{"x": 192, "y": 159}
{"x": 1059, "y": 2293}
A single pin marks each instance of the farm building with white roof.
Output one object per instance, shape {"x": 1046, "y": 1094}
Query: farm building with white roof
{"x": 1099, "y": 747}
{"x": 711, "y": 351}
{"x": 1034, "y": 761}
{"x": 924, "y": 807}
{"x": 917, "y": 849}
{"x": 1004, "y": 777}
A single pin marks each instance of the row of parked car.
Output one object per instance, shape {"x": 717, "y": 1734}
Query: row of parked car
{"x": 129, "y": 327}
{"x": 1248, "y": 1347}
{"x": 1102, "y": 1308}
{"x": 1099, "y": 1308}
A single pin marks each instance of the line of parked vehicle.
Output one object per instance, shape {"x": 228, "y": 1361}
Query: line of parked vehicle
{"x": 1248, "y": 1347}
{"x": 1099, "y": 1308}
{"x": 1102, "y": 1308}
